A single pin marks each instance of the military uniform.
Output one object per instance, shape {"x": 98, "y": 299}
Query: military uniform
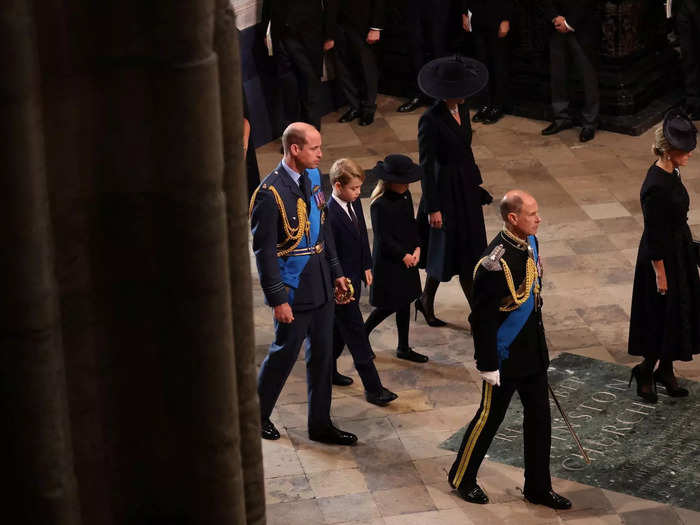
{"x": 508, "y": 336}
{"x": 297, "y": 264}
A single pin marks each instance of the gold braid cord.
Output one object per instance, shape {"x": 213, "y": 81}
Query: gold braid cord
{"x": 294, "y": 235}
{"x": 530, "y": 277}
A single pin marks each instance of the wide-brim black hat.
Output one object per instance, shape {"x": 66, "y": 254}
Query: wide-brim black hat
{"x": 679, "y": 130}
{"x": 453, "y": 76}
{"x": 398, "y": 168}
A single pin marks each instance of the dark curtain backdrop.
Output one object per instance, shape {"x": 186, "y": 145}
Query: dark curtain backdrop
{"x": 127, "y": 380}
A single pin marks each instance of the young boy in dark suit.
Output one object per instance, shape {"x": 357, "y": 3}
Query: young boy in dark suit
{"x": 349, "y": 231}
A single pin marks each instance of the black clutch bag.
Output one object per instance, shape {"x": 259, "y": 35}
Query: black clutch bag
{"x": 696, "y": 251}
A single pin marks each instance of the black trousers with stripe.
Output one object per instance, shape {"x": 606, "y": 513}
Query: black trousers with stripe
{"x": 537, "y": 432}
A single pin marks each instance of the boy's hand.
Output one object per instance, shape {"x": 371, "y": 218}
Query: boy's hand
{"x": 369, "y": 278}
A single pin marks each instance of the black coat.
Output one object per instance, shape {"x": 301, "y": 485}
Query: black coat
{"x": 395, "y": 234}
{"x": 488, "y": 13}
{"x": 306, "y": 20}
{"x": 665, "y": 326}
{"x": 351, "y": 243}
{"x": 361, "y": 15}
{"x": 451, "y": 184}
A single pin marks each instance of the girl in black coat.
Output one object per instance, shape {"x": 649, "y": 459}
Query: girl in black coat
{"x": 396, "y": 252}
{"x": 665, "y": 315}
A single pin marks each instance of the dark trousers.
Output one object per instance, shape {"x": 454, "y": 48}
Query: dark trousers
{"x": 356, "y": 69}
{"x": 537, "y": 432}
{"x": 292, "y": 55}
{"x": 403, "y": 320}
{"x": 317, "y": 325}
{"x": 429, "y": 21}
{"x": 349, "y": 328}
{"x": 565, "y": 49}
{"x": 493, "y": 52}
{"x": 688, "y": 30}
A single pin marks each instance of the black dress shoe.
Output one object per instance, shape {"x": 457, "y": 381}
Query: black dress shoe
{"x": 333, "y": 436}
{"x": 350, "y": 115}
{"x": 473, "y": 494}
{"x": 341, "y": 380}
{"x": 384, "y": 397}
{"x": 550, "y": 499}
{"x": 587, "y": 134}
{"x": 269, "y": 431}
{"x": 557, "y": 126}
{"x": 493, "y": 115}
{"x": 366, "y": 119}
{"x": 409, "y": 355}
{"x": 480, "y": 114}
{"x": 410, "y": 105}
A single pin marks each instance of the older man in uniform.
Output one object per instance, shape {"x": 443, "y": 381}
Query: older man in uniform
{"x": 511, "y": 354}
{"x": 297, "y": 264}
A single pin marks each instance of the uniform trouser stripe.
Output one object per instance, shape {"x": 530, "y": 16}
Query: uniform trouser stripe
{"x": 476, "y": 432}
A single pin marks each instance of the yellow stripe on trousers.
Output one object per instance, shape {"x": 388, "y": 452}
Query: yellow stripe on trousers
{"x": 469, "y": 448}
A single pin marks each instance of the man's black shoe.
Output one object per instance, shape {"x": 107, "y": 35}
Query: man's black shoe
{"x": 473, "y": 495}
{"x": 382, "y": 398}
{"x": 366, "y": 119}
{"x": 587, "y": 134}
{"x": 550, "y": 499}
{"x": 556, "y": 127}
{"x": 341, "y": 380}
{"x": 350, "y": 115}
{"x": 333, "y": 436}
{"x": 269, "y": 431}
{"x": 493, "y": 115}
{"x": 480, "y": 114}
{"x": 408, "y": 354}
{"x": 410, "y": 105}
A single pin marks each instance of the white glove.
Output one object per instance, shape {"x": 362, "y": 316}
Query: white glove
{"x": 492, "y": 378}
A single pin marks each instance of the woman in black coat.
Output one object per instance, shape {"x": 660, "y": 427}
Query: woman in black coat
{"x": 396, "y": 250}
{"x": 665, "y": 315}
{"x": 449, "y": 215}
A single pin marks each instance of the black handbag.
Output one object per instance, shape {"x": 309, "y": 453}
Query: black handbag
{"x": 696, "y": 251}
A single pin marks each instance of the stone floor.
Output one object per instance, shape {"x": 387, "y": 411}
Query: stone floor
{"x": 589, "y": 200}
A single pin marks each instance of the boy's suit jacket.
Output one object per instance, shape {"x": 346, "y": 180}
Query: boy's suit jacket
{"x": 351, "y": 245}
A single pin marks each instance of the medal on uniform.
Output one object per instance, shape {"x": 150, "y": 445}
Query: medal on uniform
{"x": 320, "y": 198}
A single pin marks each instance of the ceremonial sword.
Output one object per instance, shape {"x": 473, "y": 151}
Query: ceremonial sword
{"x": 571, "y": 429}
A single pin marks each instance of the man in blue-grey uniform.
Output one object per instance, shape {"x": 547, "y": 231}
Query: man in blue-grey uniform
{"x": 511, "y": 354}
{"x": 298, "y": 266}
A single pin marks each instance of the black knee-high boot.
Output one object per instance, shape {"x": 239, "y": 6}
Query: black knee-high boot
{"x": 425, "y": 304}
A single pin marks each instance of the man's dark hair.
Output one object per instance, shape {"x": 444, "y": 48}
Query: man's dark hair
{"x": 512, "y": 204}
{"x": 293, "y": 135}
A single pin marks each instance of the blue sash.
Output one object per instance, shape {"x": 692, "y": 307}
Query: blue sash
{"x": 514, "y": 323}
{"x": 292, "y": 267}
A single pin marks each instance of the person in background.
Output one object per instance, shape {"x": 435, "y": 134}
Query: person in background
{"x": 397, "y": 247}
{"x": 489, "y": 23}
{"x": 360, "y": 24}
{"x": 511, "y": 354}
{"x": 297, "y": 264}
{"x": 300, "y": 32}
{"x": 665, "y": 315}
{"x": 686, "y": 16}
{"x": 575, "y": 39}
{"x": 450, "y": 217}
{"x": 347, "y": 222}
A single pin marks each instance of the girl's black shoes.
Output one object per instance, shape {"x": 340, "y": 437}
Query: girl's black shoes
{"x": 672, "y": 388}
{"x": 644, "y": 378}
{"x": 431, "y": 320}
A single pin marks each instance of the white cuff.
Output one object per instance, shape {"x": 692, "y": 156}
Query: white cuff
{"x": 569, "y": 27}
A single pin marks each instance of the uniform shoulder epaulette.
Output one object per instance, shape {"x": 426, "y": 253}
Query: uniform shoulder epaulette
{"x": 492, "y": 262}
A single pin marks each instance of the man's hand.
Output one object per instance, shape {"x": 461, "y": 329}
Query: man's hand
{"x": 492, "y": 378}
{"x": 328, "y": 45}
{"x": 373, "y": 36}
{"x": 560, "y": 24}
{"x": 503, "y": 28}
{"x": 369, "y": 278}
{"x": 661, "y": 283}
{"x": 466, "y": 24}
{"x": 283, "y": 313}
{"x": 435, "y": 219}
{"x": 416, "y": 254}
{"x": 409, "y": 260}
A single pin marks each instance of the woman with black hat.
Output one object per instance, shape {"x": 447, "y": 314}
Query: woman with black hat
{"x": 396, "y": 249}
{"x": 665, "y": 316}
{"x": 449, "y": 215}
